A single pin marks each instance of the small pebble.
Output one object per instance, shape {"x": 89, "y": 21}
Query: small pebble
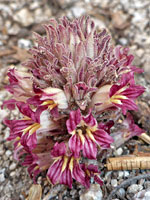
{"x": 8, "y": 153}
{"x": 119, "y": 151}
{"x": 126, "y": 173}
{"x": 78, "y": 11}
{"x": 123, "y": 41}
{"x": 24, "y": 44}
{"x": 2, "y": 175}
{"x": 121, "y": 192}
{"x": 147, "y": 184}
{"x": 12, "y": 166}
{"x": 134, "y": 188}
{"x": 1, "y": 152}
{"x": 120, "y": 174}
{"x": 12, "y": 173}
{"x": 114, "y": 182}
{"x": 93, "y": 193}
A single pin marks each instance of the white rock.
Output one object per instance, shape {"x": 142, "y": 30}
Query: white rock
{"x": 8, "y": 153}
{"x": 120, "y": 174}
{"x": 12, "y": 173}
{"x": 34, "y": 5}
{"x": 78, "y": 11}
{"x": 14, "y": 29}
{"x": 12, "y": 166}
{"x": 93, "y": 193}
{"x": 140, "y": 52}
{"x": 24, "y": 17}
{"x": 147, "y": 195}
{"x": 134, "y": 188}
{"x": 99, "y": 23}
{"x": 1, "y": 43}
{"x": 6, "y": 133}
{"x": 114, "y": 182}
{"x": 1, "y": 152}
{"x": 137, "y": 17}
{"x": 5, "y": 9}
{"x": 126, "y": 173}
{"x": 118, "y": 152}
{"x": 24, "y": 44}
{"x": 2, "y": 175}
{"x": 7, "y": 24}
{"x": 123, "y": 41}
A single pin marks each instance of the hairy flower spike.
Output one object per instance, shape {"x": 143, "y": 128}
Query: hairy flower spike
{"x": 75, "y": 77}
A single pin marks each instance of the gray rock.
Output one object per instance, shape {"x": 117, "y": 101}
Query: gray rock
{"x": 147, "y": 184}
{"x": 93, "y": 193}
{"x": 121, "y": 192}
{"x": 24, "y": 17}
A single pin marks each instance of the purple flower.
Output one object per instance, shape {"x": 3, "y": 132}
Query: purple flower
{"x": 65, "y": 167}
{"x": 86, "y": 135}
{"x": 72, "y": 83}
{"x": 120, "y": 95}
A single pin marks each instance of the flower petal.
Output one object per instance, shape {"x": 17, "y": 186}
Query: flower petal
{"x": 89, "y": 148}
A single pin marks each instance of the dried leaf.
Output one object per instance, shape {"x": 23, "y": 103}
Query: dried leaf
{"x": 35, "y": 192}
{"x": 7, "y": 52}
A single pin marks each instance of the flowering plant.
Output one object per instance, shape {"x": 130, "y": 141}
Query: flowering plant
{"x": 75, "y": 78}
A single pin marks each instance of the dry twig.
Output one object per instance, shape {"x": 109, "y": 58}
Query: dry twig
{"x": 126, "y": 183}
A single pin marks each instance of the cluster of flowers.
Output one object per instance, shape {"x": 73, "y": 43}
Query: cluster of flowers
{"x": 74, "y": 77}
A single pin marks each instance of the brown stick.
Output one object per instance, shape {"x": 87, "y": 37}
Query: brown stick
{"x": 7, "y": 52}
{"x": 129, "y": 162}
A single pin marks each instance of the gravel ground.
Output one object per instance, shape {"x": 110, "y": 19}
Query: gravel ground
{"x": 129, "y": 23}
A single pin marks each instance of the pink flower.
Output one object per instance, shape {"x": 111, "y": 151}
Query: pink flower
{"x": 122, "y": 95}
{"x": 73, "y": 82}
{"x": 86, "y": 135}
{"x": 65, "y": 167}
{"x": 26, "y": 130}
{"x": 52, "y": 98}
{"x": 91, "y": 171}
{"x": 21, "y": 85}
{"x": 128, "y": 129}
